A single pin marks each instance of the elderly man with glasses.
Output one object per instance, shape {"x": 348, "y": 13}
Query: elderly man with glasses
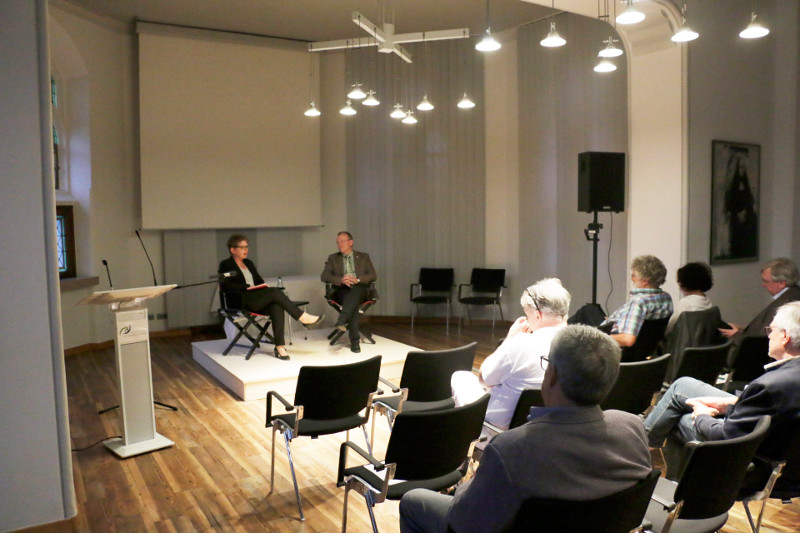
{"x": 693, "y": 410}
{"x": 515, "y": 365}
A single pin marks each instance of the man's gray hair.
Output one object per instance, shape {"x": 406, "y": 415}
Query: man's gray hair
{"x": 651, "y": 268}
{"x": 782, "y": 269}
{"x": 787, "y": 318}
{"x": 587, "y": 363}
{"x": 549, "y": 296}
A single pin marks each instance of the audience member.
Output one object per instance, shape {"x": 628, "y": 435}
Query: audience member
{"x": 694, "y": 280}
{"x": 515, "y": 365}
{"x": 351, "y": 273}
{"x": 647, "y": 301}
{"x": 779, "y": 276}
{"x": 246, "y": 289}
{"x": 694, "y": 410}
{"x": 570, "y": 449}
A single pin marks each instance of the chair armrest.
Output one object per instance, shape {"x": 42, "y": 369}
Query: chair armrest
{"x": 668, "y": 505}
{"x": 645, "y": 527}
{"x": 286, "y": 405}
{"x": 492, "y": 427}
{"x": 460, "y": 286}
{"x": 360, "y": 451}
{"x": 411, "y": 290}
{"x": 389, "y": 384}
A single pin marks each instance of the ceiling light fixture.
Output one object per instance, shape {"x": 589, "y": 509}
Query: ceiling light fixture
{"x": 610, "y": 50}
{"x": 356, "y": 93}
{"x": 425, "y": 105}
{"x": 488, "y": 43}
{"x": 312, "y": 110}
{"x": 465, "y": 102}
{"x": 409, "y": 119}
{"x": 631, "y": 15}
{"x": 755, "y": 29}
{"x": 685, "y": 33}
{"x": 398, "y": 111}
{"x": 370, "y": 100}
{"x": 347, "y": 109}
{"x": 605, "y": 66}
{"x": 553, "y": 39}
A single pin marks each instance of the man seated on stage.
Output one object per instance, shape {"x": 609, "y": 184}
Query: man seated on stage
{"x": 779, "y": 276}
{"x": 351, "y": 273}
{"x": 694, "y": 410}
{"x": 516, "y": 364}
{"x": 570, "y": 449}
{"x": 647, "y": 301}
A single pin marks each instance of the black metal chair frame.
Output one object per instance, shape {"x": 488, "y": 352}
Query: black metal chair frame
{"x": 636, "y": 384}
{"x": 482, "y": 281}
{"x": 427, "y": 449}
{"x": 710, "y": 475}
{"x": 432, "y": 280}
{"x": 328, "y": 399}
{"x": 425, "y": 381}
{"x": 364, "y": 334}
{"x": 257, "y": 321}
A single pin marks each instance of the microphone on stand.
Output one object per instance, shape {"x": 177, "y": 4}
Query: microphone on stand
{"x": 108, "y": 272}
{"x": 148, "y": 257}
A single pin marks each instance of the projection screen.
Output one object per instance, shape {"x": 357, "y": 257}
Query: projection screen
{"x": 223, "y": 139}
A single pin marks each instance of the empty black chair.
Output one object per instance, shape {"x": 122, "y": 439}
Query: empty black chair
{"x": 425, "y": 381}
{"x": 646, "y": 341}
{"x": 703, "y": 362}
{"x": 747, "y": 363}
{"x": 618, "y": 513}
{"x": 636, "y": 383}
{"x": 426, "y": 449}
{"x": 485, "y": 288}
{"x": 435, "y": 287}
{"x": 364, "y": 334}
{"x": 252, "y": 326}
{"x": 710, "y": 476}
{"x": 328, "y": 399}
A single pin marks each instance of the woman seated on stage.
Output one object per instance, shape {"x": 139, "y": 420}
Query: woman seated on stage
{"x": 245, "y": 289}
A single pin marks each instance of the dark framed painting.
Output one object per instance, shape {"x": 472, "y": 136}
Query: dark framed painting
{"x": 735, "y": 180}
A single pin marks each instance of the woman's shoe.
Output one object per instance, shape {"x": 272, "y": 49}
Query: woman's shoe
{"x": 314, "y": 324}
{"x": 282, "y": 357}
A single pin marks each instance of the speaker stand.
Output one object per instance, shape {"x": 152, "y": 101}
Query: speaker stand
{"x": 592, "y": 233}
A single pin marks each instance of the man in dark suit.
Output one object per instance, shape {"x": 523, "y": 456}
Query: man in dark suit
{"x": 351, "y": 273}
{"x": 570, "y": 449}
{"x": 693, "y": 410}
{"x": 779, "y": 276}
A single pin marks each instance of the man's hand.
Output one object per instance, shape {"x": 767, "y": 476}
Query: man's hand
{"x": 710, "y": 405}
{"x": 349, "y": 281}
{"x": 735, "y": 328}
{"x": 520, "y": 325}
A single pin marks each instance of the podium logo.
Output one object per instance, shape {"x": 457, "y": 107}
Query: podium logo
{"x": 125, "y": 330}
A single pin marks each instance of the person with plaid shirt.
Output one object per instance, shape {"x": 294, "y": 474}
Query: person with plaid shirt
{"x": 647, "y": 301}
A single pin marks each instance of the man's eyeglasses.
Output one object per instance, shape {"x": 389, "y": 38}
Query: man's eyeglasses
{"x": 242, "y": 247}
{"x": 770, "y": 329}
{"x": 544, "y": 361}
{"x": 535, "y": 303}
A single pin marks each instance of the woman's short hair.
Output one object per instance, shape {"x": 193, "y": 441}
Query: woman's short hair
{"x": 782, "y": 269}
{"x": 547, "y": 295}
{"x": 235, "y": 239}
{"x": 695, "y": 277}
{"x": 586, "y": 361}
{"x": 650, "y": 268}
{"x": 787, "y": 318}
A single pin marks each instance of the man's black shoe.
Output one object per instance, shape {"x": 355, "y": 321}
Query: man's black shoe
{"x": 355, "y": 347}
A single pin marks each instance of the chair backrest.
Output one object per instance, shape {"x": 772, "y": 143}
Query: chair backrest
{"x": 436, "y": 279}
{"x": 703, "y": 362}
{"x": 427, "y": 374}
{"x": 617, "y": 513}
{"x": 336, "y": 391}
{"x": 646, "y": 341}
{"x": 695, "y": 328}
{"x": 429, "y": 444}
{"x": 487, "y": 279}
{"x": 748, "y": 361}
{"x": 529, "y": 398}
{"x": 636, "y": 383}
{"x": 712, "y": 472}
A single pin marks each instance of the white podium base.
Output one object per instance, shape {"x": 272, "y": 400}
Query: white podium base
{"x": 156, "y": 443}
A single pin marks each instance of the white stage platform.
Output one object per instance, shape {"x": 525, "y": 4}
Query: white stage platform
{"x": 251, "y": 380}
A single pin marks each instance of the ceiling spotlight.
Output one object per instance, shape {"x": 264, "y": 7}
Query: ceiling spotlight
{"x": 755, "y": 29}
{"x": 398, "y": 111}
{"x": 488, "y": 43}
{"x": 605, "y": 66}
{"x": 312, "y": 111}
{"x": 356, "y": 93}
{"x": 347, "y": 109}
{"x": 685, "y": 34}
{"x": 410, "y": 119}
{"x": 465, "y": 102}
{"x": 610, "y": 50}
{"x": 370, "y": 99}
{"x": 631, "y": 15}
{"x": 425, "y": 105}
{"x": 553, "y": 39}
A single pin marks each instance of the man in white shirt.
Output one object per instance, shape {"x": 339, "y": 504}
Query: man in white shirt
{"x": 516, "y": 364}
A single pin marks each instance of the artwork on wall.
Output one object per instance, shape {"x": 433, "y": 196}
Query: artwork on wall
{"x": 735, "y": 179}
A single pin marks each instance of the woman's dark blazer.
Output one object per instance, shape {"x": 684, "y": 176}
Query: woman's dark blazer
{"x": 233, "y": 287}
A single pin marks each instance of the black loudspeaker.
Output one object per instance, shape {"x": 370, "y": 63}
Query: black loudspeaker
{"x": 601, "y": 181}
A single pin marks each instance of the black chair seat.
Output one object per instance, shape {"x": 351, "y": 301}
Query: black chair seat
{"x": 655, "y": 513}
{"x": 393, "y": 402}
{"x": 398, "y": 487}
{"x": 478, "y": 300}
{"x": 430, "y": 299}
{"x": 315, "y": 428}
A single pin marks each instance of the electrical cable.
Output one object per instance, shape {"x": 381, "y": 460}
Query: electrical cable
{"x": 96, "y": 443}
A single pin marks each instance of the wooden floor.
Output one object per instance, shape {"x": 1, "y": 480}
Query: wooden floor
{"x": 216, "y": 477}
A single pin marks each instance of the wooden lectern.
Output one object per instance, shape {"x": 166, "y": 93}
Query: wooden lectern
{"x": 132, "y": 342}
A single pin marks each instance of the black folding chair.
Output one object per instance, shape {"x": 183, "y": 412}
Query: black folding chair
{"x": 427, "y": 449}
{"x": 336, "y": 334}
{"x": 435, "y": 287}
{"x": 252, "y": 326}
{"x": 328, "y": 399}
